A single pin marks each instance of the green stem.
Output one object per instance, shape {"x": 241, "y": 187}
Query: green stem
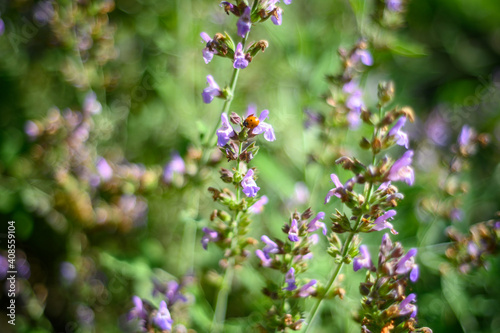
{"x": 319, "y": 301}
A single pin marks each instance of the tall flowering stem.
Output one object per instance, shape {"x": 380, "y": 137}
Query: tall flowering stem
{"x": 372, "y": 209}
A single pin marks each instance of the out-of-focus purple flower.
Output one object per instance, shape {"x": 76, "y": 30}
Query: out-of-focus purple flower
{"x": 332, "y": 192}
{"x": 43, "y": 12}
{"x": 134, "y": 207}
{"x": 385, "y": 248}
{"x": 265, "y": 260}
{"x": 466, "y": 136}
{"x": 437, "y": 128}
{"x": 68, "y": 272}
{"x": 85, "y": 315}
{"x": 249, "y": 185}
{"x": 23, "y": 268}
{"x": 300, "y": 193}
{"x": 401, "y": 169}
{"x": 407, "y": 264}
{"x": 225, "y": 132}
{"x": 362, "y": 55}
{"x": 287, "y": 2}
{"x": 456, "y": 214}
{"x": 314, "y": 239}
{"x": 2, "y": 27}
{"x": 209, "y": 236}
{"x": 162, "y": 320}
{"x": 307, "y": 289}
{"x": 293, "y": 233}
{"x": 271, "y": 247}
{"x": 312, "y": 118}
{"x": 244, "y": 23}
{"x": 240, "y": 60}
{"x": 104, "y": 169}
{"x": 381, "y": 222}
{"x": 315, "y": 224}
{"x": 473, "y": 249}
{"x": 32, "y": 129}
{"x": 4, "y": 267}
{"x": 277, "y": 16}
{"x": 364, "y": 260}
{"x": 263, "y": 127}
{"x": 90, "y": 104}
{"x": 290, "y": 280}
{"x": 208, "y": 53}
{"x": 212, "y": 91}
{"x": 394, "y": 5}
{"x": 400, "y": 136}
{"x": 406, "y": 306}
{"x": 175, "y": 166}
{"x": 258, "y": 207}
{"x": 173, "y": 293}
{"x": 354, "y": 103}
{"x": 138, "y": 311}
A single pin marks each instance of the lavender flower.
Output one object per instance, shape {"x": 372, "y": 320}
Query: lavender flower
{"x": 394, "y": 5}
{"x": 176, "y": 165}
{"x": 4, "y": 267}
{"x": 401, "y": 170}
{"x": 364, "y": 260}
{"x": 333, "y": 191}
{"x": 406, "y": 306}
{"x": 354, "y": 103}
{"x": 400, "y": 136}
{"x": 307, "y": 289}
{"x": 67, "y": 271}
{"x": 271, "y": 247}
{"x": 104, "y": 169}
{"x": 293, "y": 233}
{"x": 250, "y": 188}
{"x": 2, "y": 27}
{"x": 277, "y": 16}
{"x": 240, "y": 60}
{"x": 208, "y": 52}
{"x": 466, "y": 136}
{"x": 212, "y": 91}
{"x": 290, "y": 280}
{"x": 407, "y": 264}
{"x": 138, "y": 311}
{"x": 362, "y": 55}
{"x": 173, "y": 293}
{"x": 265, "y": 260}
{"x": 225, "y": 132}
{"x": 209, "y": 236}
{"x": 91, "y": 105}
{"x": 32, "y": 129}
{"x": 244, "y": 23}
{"x": 162, "y": 318}
{"x": 315, "y": 224}
{"x": 258, "y": 207}
{"x": 263, "y": 127}
{"x": 381, "y": 222}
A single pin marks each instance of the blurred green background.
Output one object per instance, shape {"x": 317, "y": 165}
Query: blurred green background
{"x": 143, "y": 60}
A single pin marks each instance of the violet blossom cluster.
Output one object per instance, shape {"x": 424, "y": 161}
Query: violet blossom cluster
{"x": 385, "y": 305}
{"x": 145, "y": 317}
{"x": 290, "y": 257}
{"x": 473, "y": 250}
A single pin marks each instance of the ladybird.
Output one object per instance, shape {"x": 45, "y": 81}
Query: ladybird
{"x": 251, "y": 122}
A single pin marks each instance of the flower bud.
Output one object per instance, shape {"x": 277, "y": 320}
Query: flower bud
{"x": 235, "y": 118}
{"x": 226, "y": 175}
{"x": 385, "y": 92}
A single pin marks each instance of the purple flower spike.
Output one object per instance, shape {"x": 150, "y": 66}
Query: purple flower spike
{"x": 225, "y": 132}
{"x": 244, "y": 23}
{"x": 265, "y": 260}
{"x": 162, "y": 319}
{"x": 208, "y": 53}
{"x": 250, "y": 188}
{"x": 406, "y": 306}
{"x": 307, "y": 289}
{"x": 258, "y": 207}
{"x": 212, "y": 91}
{"x": 290, "y": 280}
{"x": 315, "y": 224}
{"x": 394, "y": 5}
{"x": 240, "y": 60}
{"x": 364, "y": 260}
{"x": 381, "y": 222}
{"x": 400, "y": 136}
{"x": 209, "y": 236}
{"x": 332, "y": 192}
{"x": 401, "y": 169}
{"x": 293, "y": 233}
{"x": 263, "y": 127}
